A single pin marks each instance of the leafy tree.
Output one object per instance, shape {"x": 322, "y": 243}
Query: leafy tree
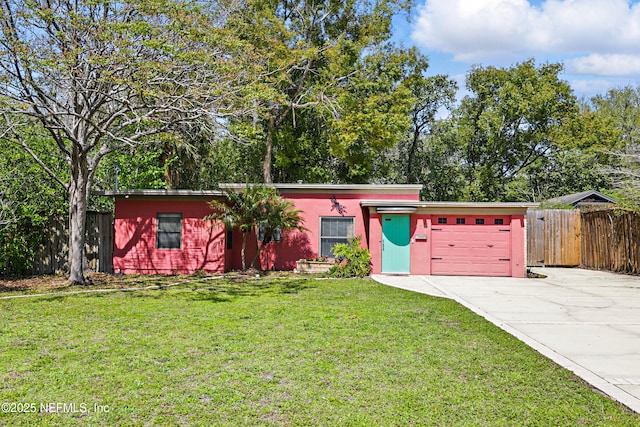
{"x": 588, "y": 131}
{"x": 424, "y": 156}
{"x": 576, "y": 161}
{"x": 508, "y": 122}
{"x": 622, "y": 107}
{"x": 99, "y": 76}
{"x": 256, "y": 208}
{"x": 626, "y": 171}
{"x": 136, "y": 167}
{"x": 303, "y": 152}
{"x": 560, "y": 173}
{"x": 326, "y": 65}
{"x": 374, "y": 109}
{"x": 28, "y": 199}
{"x": 431, "y": 94}
{"x": 439, "y": 165}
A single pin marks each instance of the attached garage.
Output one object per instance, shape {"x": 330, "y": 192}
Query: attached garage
{"x": 471, "y": 245}
{"x": 447, "y": 238}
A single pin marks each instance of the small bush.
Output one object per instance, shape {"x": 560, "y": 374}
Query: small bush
{"x": 317, "y": 259}
{"x": 356, "y": 260}
{"x": 19, "y": 241}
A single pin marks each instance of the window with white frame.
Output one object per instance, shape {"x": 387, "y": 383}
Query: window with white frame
{"x": 335, "y": 230}
{"x": 169, "y": 231}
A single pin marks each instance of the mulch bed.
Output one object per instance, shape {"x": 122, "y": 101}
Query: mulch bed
{"x": 115, "y": 281}
{"x": 52, "y": 282}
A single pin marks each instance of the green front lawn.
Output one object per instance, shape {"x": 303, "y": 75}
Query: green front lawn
{"x": 278, "y": 351}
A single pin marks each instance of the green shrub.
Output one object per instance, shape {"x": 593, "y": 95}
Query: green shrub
{"x": 19, "y": 241}
{"x": 356, "y": 260}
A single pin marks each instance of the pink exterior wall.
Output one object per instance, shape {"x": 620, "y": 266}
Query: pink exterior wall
{"x": 421, "y": 223}
{"x": 375, "y": 242}
{"x": 296, "y": 245}
{"x": 204, "y": 248}
{"x": 135, "y": 238}
{"x": 518, "y": 256}
{"x": 420, "y": 248}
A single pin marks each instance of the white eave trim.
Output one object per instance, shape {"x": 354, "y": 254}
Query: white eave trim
{"x": 336, "y": 188}
{"x": 382, "y": 203}
{"x": 396, "y": 209}
{"x": 161, "y": 193}
{"x": 383, "y": 206}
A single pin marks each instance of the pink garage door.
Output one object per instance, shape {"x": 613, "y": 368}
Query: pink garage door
{"x": 471, "y": 245}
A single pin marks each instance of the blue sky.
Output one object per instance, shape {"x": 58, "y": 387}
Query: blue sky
{"x": 598, "y": 41}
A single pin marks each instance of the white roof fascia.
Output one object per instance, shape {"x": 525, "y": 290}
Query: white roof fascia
{"x": 337, "y": 188}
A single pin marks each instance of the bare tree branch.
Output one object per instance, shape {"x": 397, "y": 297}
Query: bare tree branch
{"x": 99, "y": 76}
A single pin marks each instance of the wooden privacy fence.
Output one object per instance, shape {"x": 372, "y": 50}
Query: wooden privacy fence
{"x": 611, "y": 241}
{"x": 52, "y": 256}
{"x": 553, "y": 238}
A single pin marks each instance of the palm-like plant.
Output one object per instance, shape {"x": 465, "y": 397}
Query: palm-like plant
{"x": 257, "y": 206}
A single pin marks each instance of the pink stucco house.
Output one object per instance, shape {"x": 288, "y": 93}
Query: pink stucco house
{"x": 162, "y": 231}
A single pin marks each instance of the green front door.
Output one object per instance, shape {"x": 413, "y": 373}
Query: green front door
{"x": 396, "y": 252}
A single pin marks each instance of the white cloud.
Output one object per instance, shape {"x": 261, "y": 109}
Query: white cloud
{"x": 473, "y": 30}
{"x": 590, "y": 87}
{"x": 605, "y": 65}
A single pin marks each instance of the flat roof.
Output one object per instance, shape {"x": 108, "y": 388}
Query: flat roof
{"x": 442, "y": 207}
{"x": 336, "y": 188}
{"x": 421, "y": 204}
{"x": 294, "y": 188}
{"x": 161, "y": 193}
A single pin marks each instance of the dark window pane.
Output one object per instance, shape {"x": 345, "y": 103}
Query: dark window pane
{"x": 229, "y": 239}
{"x": 169, "y": 231}
{"x": 169, "y": 240}
{"x": 328, "y": 243}
{"x": 170, "y": 222}
{"x": 479, "y": 221}
{"x": 336, "y": 227}
{"x": 334, "y": 230}
{"x": 459, "y": 220}
{"x": 442, "y": 220}
{"x": 498, "y": 221}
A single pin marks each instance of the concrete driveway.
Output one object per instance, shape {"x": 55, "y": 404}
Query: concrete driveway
{"x": 587, "y": 321}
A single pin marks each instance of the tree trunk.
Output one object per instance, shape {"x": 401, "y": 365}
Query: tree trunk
{"x": 412, "y": 154}
{"x": 78, "y": 201}
{"x": 257, "y": 255}
{"x": 266, "y": 164}
{"x": 171, "y": 175}
{"x": 244, "y": 245}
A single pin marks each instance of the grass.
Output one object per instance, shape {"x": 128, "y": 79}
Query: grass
{"x": 278, "y": 351}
